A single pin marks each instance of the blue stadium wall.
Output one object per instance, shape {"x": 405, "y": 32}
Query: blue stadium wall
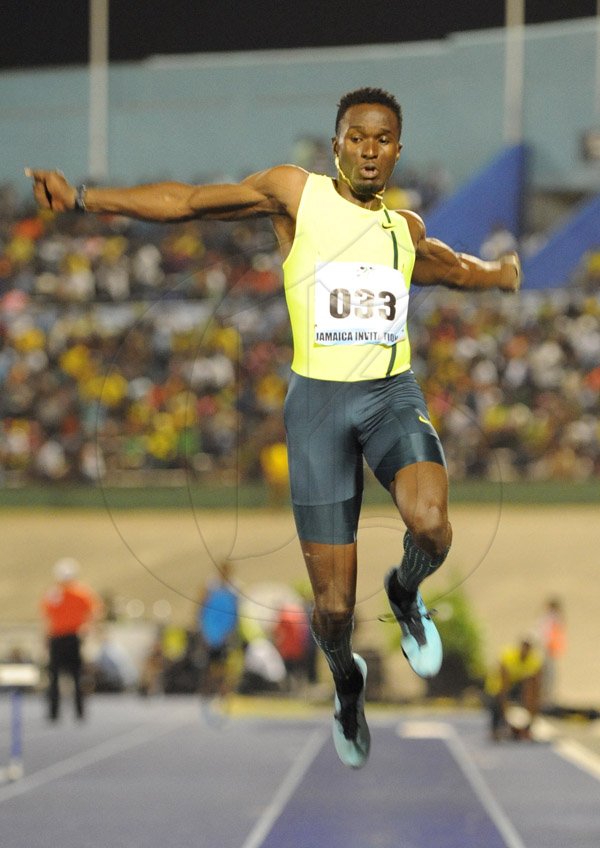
{"x": 494, "y": 197}
{"x": 229, "y": 114}
{"x": 491, "y": 198}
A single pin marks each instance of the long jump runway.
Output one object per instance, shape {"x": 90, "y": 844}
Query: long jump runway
{"x": 166, "y": 772}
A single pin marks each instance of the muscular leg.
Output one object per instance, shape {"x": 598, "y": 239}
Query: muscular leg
{"x": 332, "y": 573}
{"x": 420, "y": 492}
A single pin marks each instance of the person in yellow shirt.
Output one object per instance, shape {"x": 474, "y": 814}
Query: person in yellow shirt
{"x": 275, "y": 469}
{"x": 515, "y": 680}
{"x": 348, "y": 262}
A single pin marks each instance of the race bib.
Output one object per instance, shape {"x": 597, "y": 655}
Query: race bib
{"x": 357, "y": 304}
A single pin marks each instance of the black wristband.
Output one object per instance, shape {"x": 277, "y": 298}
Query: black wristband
{"x": 80, "y": 199}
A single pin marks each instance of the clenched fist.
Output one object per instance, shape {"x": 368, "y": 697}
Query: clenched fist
{"x": 510, "y": 271}
{"x": 51, "y": 190}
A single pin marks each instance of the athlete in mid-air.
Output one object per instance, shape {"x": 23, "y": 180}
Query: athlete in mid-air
{"x": 348, "y": 262}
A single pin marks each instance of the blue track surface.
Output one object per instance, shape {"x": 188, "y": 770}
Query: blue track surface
{"x": 396, "y": 800}
{"x": 149, "y": 774}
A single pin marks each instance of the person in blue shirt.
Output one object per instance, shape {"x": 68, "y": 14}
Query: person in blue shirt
{"x": 217, "y": 623}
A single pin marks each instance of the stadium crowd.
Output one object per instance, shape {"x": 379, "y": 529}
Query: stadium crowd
{"x": 131, "y": 347}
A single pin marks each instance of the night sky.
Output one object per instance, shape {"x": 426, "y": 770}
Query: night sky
{"x": 41, "y": 33}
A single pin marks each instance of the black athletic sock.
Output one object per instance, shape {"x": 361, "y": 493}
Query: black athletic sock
{"x": 416, "y": 566}
{"x": 349, "y": 685}
{"x": 338, "y": 653}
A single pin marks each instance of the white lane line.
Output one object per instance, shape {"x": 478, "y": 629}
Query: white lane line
{"x": 425, "y": 730}
{"x": 444, "y": 731}
{"x": 102, "y": 751}
{"x": 570, "y": 750}
{"x": 286, "y": 790}
{"x": 483, "y": 792}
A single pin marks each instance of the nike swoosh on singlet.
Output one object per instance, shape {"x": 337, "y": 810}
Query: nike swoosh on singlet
{"x": 424, "y": 420}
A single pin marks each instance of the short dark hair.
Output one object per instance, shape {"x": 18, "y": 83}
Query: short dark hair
{"x": 368, "y": 95}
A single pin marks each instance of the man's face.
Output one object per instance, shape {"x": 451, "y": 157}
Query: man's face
{"x": 368, "y": 147}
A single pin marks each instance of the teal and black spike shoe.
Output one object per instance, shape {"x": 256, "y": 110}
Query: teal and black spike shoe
{"x": 421, "y": 643}
{"x": 351, "y": 735}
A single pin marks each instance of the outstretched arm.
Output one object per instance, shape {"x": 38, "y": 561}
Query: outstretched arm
{"x": 438, "y": 264}
{"x": 275, "y": 191}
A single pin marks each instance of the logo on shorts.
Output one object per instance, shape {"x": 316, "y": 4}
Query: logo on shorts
{"x": 423, "y": 419}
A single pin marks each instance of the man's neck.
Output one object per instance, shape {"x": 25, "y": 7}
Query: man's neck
{"x": 344, "y": 187}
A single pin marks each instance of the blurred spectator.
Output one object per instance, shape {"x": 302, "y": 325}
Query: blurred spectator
{"x": 304, "y": 590}
{"x": 263, "y": 669}
{"x": 498, "y": 242}
{"x": 129, "y": 349}
{"x": 184, "y": 673}
{"x": 151, "y": 680}
{"x": 112, "y": 669}
{"x": 217, "y": 623}
{"x": 292, "y": 638}
{"x": 274, "y": 465}
{"x": 109, "y": 605}
{"x": 515, "y": 680}
{"x": 69, "y": 607}
{"x": 553, "y": 639}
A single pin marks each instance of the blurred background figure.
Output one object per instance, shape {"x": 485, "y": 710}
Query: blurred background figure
{"x": 293, "y": 640}
{"x": 304, "y": 590}
{"x": 512, "y": 690}
{"x": 553, "y": 637}
{"x": 263, "y": 669}
{"x": 499, "y": 240}
{"x": 217, "y": 625}
{"x": 274, "y": 466}
{"x": 112, "y": 668}
{"x": 68, "y": 608}
{"x": 152, "y": 671}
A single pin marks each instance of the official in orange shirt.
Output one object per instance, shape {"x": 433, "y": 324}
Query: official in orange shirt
{"x": 68, "y": 607}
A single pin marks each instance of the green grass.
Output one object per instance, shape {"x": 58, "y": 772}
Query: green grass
{"x": 255, "y": 495}
{"x": 552, "y": 492}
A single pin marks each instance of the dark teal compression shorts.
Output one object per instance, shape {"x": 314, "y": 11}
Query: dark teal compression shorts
{"x": 330, "y": 427}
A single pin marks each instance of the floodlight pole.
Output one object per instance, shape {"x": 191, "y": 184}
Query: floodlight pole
{"x": 98, "y": 76}
{"x": 514, "y": 56}
{"x": 597, "y": 85}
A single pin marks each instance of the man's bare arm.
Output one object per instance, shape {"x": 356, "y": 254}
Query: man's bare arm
{"x": 275, "y": 191}
{"x": 438, "y": 264}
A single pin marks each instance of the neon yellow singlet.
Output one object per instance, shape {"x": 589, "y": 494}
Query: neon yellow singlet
{"x": 346, "y": 284}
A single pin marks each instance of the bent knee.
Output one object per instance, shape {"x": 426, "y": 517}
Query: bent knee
{"x": 430, "y": 529}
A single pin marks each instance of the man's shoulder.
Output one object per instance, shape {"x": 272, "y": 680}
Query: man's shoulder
{"x": 281, "y": 176}
{"x": 283, "y": 184}
{"x": 416, "y": 225}
{"x": 287, "y": 169}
